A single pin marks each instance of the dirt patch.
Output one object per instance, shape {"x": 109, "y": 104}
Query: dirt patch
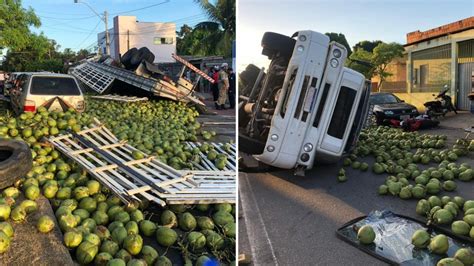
{"x": 30, "y": 247}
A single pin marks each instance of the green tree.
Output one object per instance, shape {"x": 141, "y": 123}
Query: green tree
{"x": 81, "y": 54}
{"x": 37, "y": 50}
{"x": 220, "y": 28}
{"x": 383, "y": 54}
{"x": 360, "y": 61}
{"x": 14, "y": 24}
{"x": 339, "y": 38}
{"x": 375, "y": 63}
{"x": 367, "y": 45}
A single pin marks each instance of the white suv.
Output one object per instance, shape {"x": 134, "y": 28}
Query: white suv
{"x": 55, "y": 92}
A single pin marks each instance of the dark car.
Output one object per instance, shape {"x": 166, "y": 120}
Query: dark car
{"x": 389, "y": 106}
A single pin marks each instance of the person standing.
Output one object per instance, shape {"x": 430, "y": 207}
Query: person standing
{"x": 215, "y": 85}
{"x": 223, "y": 86}
{"x": 231, "y": 88}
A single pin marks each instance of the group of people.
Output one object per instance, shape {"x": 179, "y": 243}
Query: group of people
{"x": 223, "y": 88}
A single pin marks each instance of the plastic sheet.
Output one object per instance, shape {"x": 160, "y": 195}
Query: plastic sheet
{"x": 393, "y": 239}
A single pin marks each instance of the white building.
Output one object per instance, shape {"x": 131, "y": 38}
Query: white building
{"x": 127, "y": 33}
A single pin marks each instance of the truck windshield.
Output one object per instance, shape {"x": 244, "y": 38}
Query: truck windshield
{"x": 54, "y": 86}
{"x": 342, "y": 111}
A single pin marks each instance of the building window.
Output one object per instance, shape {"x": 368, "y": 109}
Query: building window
{"x": 163, "y": 40}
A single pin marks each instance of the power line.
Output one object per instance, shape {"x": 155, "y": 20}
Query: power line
{"x": 184, "y": 20}
{"x": 142, "y": 8}
{"x": 89, "y": 35}
{"x": 81, "y": 18}
{"x": 116, "y": 13}
{"x": 64, "y": 29}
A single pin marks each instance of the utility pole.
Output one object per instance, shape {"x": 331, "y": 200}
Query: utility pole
{"x": 104, "y": 18}
{"x": 128, "y": 40}
{"x": 107, "y": 39}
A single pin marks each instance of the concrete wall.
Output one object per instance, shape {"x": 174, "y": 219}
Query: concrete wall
{"x": 452, "y": 39}
{"x": 460, "y": 25}
{"x": 128, "y": 33}
{"x": 101, "y": 41}
{"x": 416, "y": 98}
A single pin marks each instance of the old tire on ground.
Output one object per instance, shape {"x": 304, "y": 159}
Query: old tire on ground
{"x": 275, "y": 44}
{"x": 15, "y": 161}
{"x": 148, "y": 55}
{"x": 127, "y": 56}
{"x": 142, "y": 54}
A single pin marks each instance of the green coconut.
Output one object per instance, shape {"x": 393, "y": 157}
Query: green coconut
{"x": 366, "y": 235}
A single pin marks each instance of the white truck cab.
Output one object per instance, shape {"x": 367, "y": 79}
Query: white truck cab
{"x": 55, "y": 92}
{"x": 319, "y": 105}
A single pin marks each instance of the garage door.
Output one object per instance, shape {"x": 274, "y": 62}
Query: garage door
{"x": 466, "y": 75}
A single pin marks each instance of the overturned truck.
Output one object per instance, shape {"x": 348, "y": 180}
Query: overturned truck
{"x": 137, "y": 71}
{"x": 306, "y": 108}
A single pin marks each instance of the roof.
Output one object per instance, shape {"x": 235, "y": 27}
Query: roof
{"x": 458, "y": 26}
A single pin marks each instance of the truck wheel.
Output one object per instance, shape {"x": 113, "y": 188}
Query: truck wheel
{"x": 277, "y": 44}
{"x": 128, "y": 55}
{"x": 148, "y": 55}
{"x": 142, "y": 54}
{"x": 250, "y": 145}
{"x": 15, "y": 161}
{"x": 248, "y": 77}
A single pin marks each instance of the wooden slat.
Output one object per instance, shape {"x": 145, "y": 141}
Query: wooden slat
{"x": 147, "y": 177}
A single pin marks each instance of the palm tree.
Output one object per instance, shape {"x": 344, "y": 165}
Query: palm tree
{"x": 220, "y": 27}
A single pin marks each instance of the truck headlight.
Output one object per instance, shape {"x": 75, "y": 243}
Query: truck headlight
{"x": 308, "y": 147}
{"x": 270, "y": 148}
{"x": 274, "y": 137}
{"x": 300, "y": 48}
{"x": 337, "y": 53}
{"x": 304, "y": 157}
{"x": 302, "y": 38}
{"x": 334, "y": 63}
{"x": 388, "y": 112}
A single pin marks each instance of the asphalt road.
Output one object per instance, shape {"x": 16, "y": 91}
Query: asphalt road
{"x": 290, "y": 220}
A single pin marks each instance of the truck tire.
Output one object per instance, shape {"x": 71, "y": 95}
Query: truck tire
{"x": 248, "y": 77}
{"x": 250, "y": 145}
{"x": 142, "y": 54}
{"x": 148, "y": 55}
{"x": 125, "y": 60}
{"x": 15, "y": 161}
{"x": 275, "y": 44}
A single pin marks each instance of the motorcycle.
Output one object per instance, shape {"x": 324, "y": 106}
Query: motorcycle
{"x": 441, "y": 105}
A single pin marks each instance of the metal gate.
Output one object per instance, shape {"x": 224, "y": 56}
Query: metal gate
{"x": 466, "y": 72}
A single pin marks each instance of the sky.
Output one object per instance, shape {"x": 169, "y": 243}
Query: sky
{"x": 75, "y": 26}
{"x": 386, "y": 20}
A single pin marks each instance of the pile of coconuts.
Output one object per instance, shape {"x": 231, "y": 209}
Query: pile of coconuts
{"x": 97, "y": 227}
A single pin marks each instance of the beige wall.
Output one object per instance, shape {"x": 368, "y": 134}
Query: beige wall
{"x": 416, "y": 98}
{"x": 128, "y": 33}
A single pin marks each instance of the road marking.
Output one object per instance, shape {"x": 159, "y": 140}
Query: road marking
{"x": 257, "y": 241}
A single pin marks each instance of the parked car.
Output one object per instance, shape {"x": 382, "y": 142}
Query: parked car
{"x": 55, "y": 92}
{"x": 389, "y": 106}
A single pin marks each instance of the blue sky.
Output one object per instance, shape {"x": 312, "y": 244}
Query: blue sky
{"x": 386, "y": 20}
{"x": 75, "y": 26}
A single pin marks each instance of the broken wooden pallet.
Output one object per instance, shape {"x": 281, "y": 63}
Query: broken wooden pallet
{"x": 208, "y": 165}
{"x": 120, "y": 98}
{"x": 111, "y": 162}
